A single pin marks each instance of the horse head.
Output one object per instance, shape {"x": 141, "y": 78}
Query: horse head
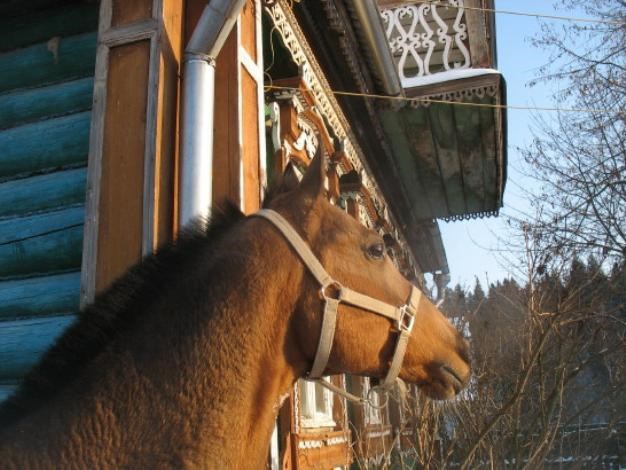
{"x": 364, "y": 343}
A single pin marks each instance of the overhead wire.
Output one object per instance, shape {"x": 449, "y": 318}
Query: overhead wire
{"x": 456, "y": 103}
{"x": 481, "y": 105}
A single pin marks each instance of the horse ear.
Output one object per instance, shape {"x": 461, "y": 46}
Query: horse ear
{"x": 290, "y": 180}
{"x": 312, "y": 184}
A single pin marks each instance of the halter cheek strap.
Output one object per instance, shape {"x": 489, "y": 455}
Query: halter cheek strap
{"x": 333, "y": 293}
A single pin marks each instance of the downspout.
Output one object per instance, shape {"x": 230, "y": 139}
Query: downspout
{"x": 208, "y": 37}
{"x": 373, "y": 34}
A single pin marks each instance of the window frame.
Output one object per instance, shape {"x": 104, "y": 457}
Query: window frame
{"x": 310, "y": 415}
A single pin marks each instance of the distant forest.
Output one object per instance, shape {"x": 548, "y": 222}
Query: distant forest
{"x": 549, "y": 364}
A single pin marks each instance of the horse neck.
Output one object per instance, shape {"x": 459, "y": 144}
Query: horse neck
{"x": 200, "y": 381}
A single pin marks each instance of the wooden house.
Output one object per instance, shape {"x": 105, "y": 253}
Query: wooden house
{"x": 98, "y": 165}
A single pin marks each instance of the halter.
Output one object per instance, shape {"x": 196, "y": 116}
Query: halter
{"x": 333, "y": 293}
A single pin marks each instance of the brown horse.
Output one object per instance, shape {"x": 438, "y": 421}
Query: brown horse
{"x": 183, "y": 361}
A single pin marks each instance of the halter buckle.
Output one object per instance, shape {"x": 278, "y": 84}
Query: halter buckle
{"x": 332, "y": 290}
{"x": 407, "y": 318}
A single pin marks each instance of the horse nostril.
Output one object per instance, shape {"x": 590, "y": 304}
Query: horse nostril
{"x": 457, "y": 383}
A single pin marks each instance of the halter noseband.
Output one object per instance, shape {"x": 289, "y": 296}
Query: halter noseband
{"x": 333, "y": 293}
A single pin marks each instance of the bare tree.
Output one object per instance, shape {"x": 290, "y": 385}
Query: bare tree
{"x": 579, "y": 158}
{"x": 549, "y": 365}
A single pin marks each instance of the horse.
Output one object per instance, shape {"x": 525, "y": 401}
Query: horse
{"x": 183, "y": 361}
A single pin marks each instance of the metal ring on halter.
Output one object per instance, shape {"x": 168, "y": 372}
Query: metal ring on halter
{"x": 385, "y": 394}
{"x": 331, "y": 285}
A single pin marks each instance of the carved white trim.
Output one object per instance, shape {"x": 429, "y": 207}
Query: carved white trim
{"x": 417, "y": 33}
{"x": 311, "y": 444}
{"x": 296, "y": 407}
{"x": 333, "y": 441}
{"x": 463, "y": 95}
{"x": 319, "y": 443}
{"x": 376, "y": 434}
{"x": 287, "y": 26}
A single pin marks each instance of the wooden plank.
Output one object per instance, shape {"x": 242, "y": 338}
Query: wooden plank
{"x": 41, "y": 244}
{"x": 149, "y": 152}
{"x": 51, "y": 62}
{"x": 166, "y": 149}
{"x": 41, "y": 25}
{"x": 193, "y": 11}
{"x": 251, "y": 145}
{"x": 226, "y": 147}
{"x": 326, "y": 456}
{"x": 42, "y": 193}
{"x": 248, "y": 28}
{"x": 128, "y": 11}
{"x": 23, "y": 342}
{"x": 120, "y": 214}
{"x": 471, "y": 156}
{"x": 38, "y": 296}
{"x": 126, "y": 34}
{"x": 45, "y": 145}
{"x": 479, "y": 42}
{"x": 94, "y": 166}
{"x": 45, "y": 102}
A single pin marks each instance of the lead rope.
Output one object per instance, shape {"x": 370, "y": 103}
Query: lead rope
{"x": 354, "y": 398}
{"x": 384, "y": 390}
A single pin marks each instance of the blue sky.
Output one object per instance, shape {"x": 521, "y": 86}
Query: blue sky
{"x": 475, "y": 248}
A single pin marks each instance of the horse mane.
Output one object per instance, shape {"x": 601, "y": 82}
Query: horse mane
{"x": 115, "y": 310}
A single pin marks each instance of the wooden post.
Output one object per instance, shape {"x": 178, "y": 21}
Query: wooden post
{"x": 480, "y": 44}
{"x": 133, "y": 139}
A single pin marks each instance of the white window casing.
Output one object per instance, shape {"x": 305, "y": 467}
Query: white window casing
{"x": 316, "y": 405}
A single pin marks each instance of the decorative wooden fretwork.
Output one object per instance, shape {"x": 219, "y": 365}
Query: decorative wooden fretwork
{"x": 427, "y": 38}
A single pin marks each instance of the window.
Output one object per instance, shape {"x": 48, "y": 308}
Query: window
{"x": 316, "y": 405}
{"x": 373, "y": 414}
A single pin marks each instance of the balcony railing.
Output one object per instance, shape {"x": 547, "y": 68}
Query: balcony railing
{"x": 433, "y": 37}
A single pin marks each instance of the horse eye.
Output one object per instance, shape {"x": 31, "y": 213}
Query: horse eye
{"x": 376, "y": 251}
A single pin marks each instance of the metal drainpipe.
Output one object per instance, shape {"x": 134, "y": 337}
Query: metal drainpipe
{"x": 196, "y": 181}
{"x": 372, "y": 30}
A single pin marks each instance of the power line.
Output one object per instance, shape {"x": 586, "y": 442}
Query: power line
{"x": 533, "y": 15}
{"x": 457, "y": 103}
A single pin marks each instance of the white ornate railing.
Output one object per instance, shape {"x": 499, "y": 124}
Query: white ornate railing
{"x": 427, "y": 38}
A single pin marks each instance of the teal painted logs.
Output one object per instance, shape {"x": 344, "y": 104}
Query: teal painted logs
{"x": 47, "y": 60}
{"x": 44, "y": 243}
{"x": 23, "y": 342}
{"x": 42, "y": 193}
{"x": 7, "y": 389}
{"x": 46, "y": 295}
{"x": 13, "y": 8}
{"x": 36, "y": 27}
{"x": 45, "y": 102}
{"x": 51, "y": 62}
{"x": 45, "y": 145}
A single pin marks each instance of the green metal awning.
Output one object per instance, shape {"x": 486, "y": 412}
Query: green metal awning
{"x": 451, "y": 158}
